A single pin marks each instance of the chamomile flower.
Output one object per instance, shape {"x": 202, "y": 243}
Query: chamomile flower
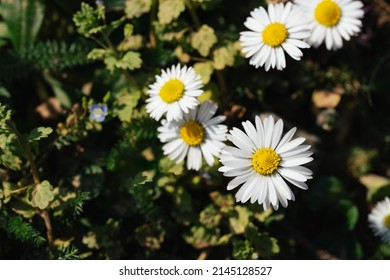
{"x": 174, "y": 93}
{"x": 271, "y": 34}
{"x": 379, "y": 219}
{"x": 197, "y": 133}
{"x": 98, "y": 112}
{"x": 262, "y": 161}
{"x": 332, "y": 21}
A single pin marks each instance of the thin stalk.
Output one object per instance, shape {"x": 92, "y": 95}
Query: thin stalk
{"x": 34, "y": 172}
{"x": 193, "y": 13}
{"x": 27, "y": 151}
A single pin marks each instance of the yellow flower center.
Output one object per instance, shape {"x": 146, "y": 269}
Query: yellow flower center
{"x": 192, "y": 133}
{"x": 265, "y": 161}
{"x": 327, "y": 13}
{"x": 387, "y": 221}
{"x": 274, "y": 34}
{"x": 172, "y": 91}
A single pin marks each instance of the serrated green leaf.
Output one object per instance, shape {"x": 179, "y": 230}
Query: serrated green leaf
{"x": 136, "y": 8}
{"x": 96, "y": 54}
{"x": 42, "y": 195}
{"x": 203, "y": 40}
{"x": 89, "y": 20}
{"x": 39, "y": 133}
{"x": 169, "y": 10}
{"x": 6, "y": 139}
{"x": 10, "y": 161}
{"x": 131, "y": 60}
{"x": 23, "y": 19}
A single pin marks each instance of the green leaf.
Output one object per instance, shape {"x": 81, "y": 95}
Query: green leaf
{"x": 203, "y": 40}
{"x": 128, "y": 30}
{"x": 239, "y": 219}
{"x": 42, "y": 195}
{"x": 168, "y": 166}
{"x": 96, "y": 54}
{"x": 131, "y": 60}
{"x": 90, "y": 21}
{"x": 11, "y": 161}
{"x": 6, "y": 139}
{"x": 23, "y": 19}
{"x": 373, "y": 183}
{"x": 23, "y": 231}
{"x": 39, "y": 133}
{"x": 243, "y": 250}
{"x": 136, "y": 8}
{"x": 125, "y": 103}
{"x": 351, "y": 213}
{"x": 59, "y": 92}
{"x": 169, "y": 10}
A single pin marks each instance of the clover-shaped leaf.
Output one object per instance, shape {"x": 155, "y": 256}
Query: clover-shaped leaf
{"x": 42, "y": 195}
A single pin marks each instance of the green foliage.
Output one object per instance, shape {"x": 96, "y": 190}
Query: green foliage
{"x": 42, "y": 195}
{"x": 39, "y": 133}
{"x": 23, "y": 19}
{"x": 20, "y": 229}
{"x": 69, "y": 253}
{"x": 90, "y": 21}
{"x": 107, "y": 190}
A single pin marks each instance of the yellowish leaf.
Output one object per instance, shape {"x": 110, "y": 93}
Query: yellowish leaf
{"x": 203, "y": 40}
{"x": 181, "y": 55}
{"x": 224, "y": 57}
{"x": 169, "y": 10}
{"x": 205, "y": 70}
{"x": 327, "y": 98}
{"x": 136, "y": 8}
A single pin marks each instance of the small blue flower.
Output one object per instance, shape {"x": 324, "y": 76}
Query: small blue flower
{"x": 98, "y": 112}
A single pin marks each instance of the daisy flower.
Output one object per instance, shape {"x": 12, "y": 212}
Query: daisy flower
{"x": 332, "y": 21}
{"x": 379, "y": 219}
{"x": 280, "y": 30}
{"x": 262, "y": 161}
{"x": 98, "y": 112}
{"x": 174, "y": 93}
{"x": 197, "y": 134}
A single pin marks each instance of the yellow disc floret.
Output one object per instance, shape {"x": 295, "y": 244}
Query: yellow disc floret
{"x": 192, "y": 133}
{"x": 172, "y": 91}
{"x": 265, "y": 161}
{"x": 387, "y": 221}
{"x": 327, "y": 13}
{"x": 274, "y": 34}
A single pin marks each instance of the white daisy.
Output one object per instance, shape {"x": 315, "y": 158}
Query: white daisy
{"x": 280, "y": 30}
{"x": 174, "y": 93}
{"x": 332, "y": 21}
{"x": 379, "y": 219}
{"x": 197, "y": 134}
{"x": 262, "y": 160}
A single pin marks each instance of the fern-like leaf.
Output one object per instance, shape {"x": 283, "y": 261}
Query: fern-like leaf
{"x": 22, "y": 230}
